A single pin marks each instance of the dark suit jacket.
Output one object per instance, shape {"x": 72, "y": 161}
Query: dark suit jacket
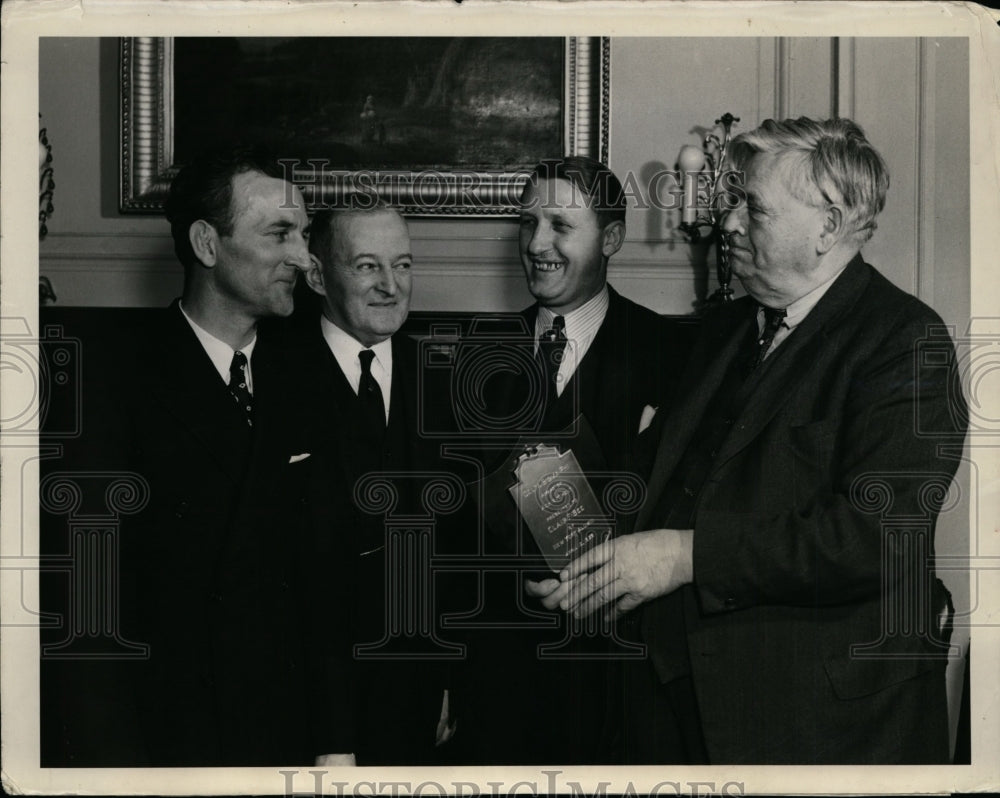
{"x": 513, "y": 707}
{"x": 793, "y": 562}
{"x": 631, "y": 363}
{"x": 392, "y": 704}
{"x": 206, "y": 567}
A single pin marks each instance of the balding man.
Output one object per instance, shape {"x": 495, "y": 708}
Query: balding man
{"x": 360, "y": 400}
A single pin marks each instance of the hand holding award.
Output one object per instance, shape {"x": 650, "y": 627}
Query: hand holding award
{"x": 557, "y": 504}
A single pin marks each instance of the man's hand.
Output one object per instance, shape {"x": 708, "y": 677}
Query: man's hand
{"x": 336, "y": 761}
{"x": 622, "y": 572}
{"x": 549, "y": 591}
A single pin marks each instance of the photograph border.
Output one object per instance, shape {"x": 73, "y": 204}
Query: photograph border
{"x": 25, "y": 23}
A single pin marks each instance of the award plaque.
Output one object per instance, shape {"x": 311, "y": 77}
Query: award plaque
{"x": 557, "y": 504}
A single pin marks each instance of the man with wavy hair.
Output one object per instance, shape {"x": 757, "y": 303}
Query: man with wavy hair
{"x": 770, "y": 592}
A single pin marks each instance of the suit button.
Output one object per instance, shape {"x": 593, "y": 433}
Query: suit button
{"x": 181, "y": 509}
{"x": 730, "y": 603}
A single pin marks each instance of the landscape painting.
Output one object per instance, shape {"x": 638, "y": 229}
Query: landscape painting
{"x": 435, "y": 125}
{"x": 366, "y": 103}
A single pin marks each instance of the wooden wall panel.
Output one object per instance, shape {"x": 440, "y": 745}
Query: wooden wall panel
{"x": 664, "y": 93}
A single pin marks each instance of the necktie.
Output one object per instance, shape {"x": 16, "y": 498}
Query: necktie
{"x": 370, "y": 399}
{"x": 551, "y": 347}
{"x": 773, "y": 319}
{"x": 238, "y": 385}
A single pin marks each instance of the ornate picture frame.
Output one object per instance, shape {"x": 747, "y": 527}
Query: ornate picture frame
{"x": 148, "y": 129}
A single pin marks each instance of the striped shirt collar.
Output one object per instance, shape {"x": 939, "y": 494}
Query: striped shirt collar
{"x": 582, "y": 326}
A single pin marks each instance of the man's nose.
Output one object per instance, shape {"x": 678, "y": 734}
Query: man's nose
{"x": 734, "y": 221}
{"x": 298, "y": 255}
{"x": 387, "y": 280}
{"x": 540, "y": 241}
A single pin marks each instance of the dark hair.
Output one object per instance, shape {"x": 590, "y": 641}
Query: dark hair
{"x": 591, "y": 177}
{"x": 203, "y": 189}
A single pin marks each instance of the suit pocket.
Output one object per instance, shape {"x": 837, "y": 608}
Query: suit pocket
{"x": 857, "y": 678}
{"x": 815, "y": 441}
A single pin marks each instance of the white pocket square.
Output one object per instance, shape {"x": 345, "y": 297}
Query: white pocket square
{"x": 646, "y": 418}
{"x": 297, "y": 457}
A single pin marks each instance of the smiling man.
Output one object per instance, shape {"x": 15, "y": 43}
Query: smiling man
{"x": 788, "y": 617}
{"x": 193, "y": 411}
{"x": 360, "y": 400}
{"x": 572, "y": 221}
{"x": 607, "y": 362}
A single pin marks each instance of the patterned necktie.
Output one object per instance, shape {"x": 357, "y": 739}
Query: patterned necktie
{"x": 238, "y": 386}
{"x": 773, "y": 319}
{"x": 370, "y": 399}
{"x": 551, "y": 347}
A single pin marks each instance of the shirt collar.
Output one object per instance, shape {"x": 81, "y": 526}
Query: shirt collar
{"x": 218, "y": 351}
{"x": 345, "y": 347}
{"x": 590, "y": 314}
{"x": 800, "y": 308}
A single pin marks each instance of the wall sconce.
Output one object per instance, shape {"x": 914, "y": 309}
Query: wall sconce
{"x": 701, "y": 169}
{"x": 45, "y": 182}
{"x": 45, "y": 187}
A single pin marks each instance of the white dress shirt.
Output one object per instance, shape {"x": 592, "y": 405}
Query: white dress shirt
{"x": 221, "y": 353}
{"x": 345, "y": 348}
{"x": 795, "y": 313}
{"x": 582, "y": 326}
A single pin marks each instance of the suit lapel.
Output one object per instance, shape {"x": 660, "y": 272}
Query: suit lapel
{"x": 594, "y": 380}
{"x": 723, "y": 338}
{"x": 590, "y": 378}
{"x": 184, "y": 381}
{"x": 769, "y": 389}
{"x": 336, "y": 397}
{"x": 404, "y": 398}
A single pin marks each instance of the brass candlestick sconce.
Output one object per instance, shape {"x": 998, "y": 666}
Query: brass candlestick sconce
{"x": 704, "y": 197}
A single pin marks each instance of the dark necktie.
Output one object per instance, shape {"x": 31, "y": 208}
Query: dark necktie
{"x": 370, "y": 399}
{"x": 773, "y": 319}
{"x": 238, "y": 386}
{"x": 551, "y": 348}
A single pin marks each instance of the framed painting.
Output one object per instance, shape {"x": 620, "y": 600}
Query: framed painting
{"x": 433, "y": 125}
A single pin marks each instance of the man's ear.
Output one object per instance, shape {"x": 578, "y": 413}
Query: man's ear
{"x": 612, "y": 238}
{"x": 314, "y": 275}
{"x": 834, "y": 228}
{"x": 205, "y": 242}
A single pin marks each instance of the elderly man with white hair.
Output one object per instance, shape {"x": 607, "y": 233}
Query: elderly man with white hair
{"x": 780, "y": 572}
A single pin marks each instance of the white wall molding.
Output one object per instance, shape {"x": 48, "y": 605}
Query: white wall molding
{"x": 782, "y": 77}
{"x": 923, "y": 275}
{"x": 844, "y": 77}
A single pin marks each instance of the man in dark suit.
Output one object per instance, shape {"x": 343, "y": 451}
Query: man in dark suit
{"x": 771, "y": 577}
{"x": 597, "y": 351}
{"x": 361, "y": 382}
{"x": 195, "y": 411}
